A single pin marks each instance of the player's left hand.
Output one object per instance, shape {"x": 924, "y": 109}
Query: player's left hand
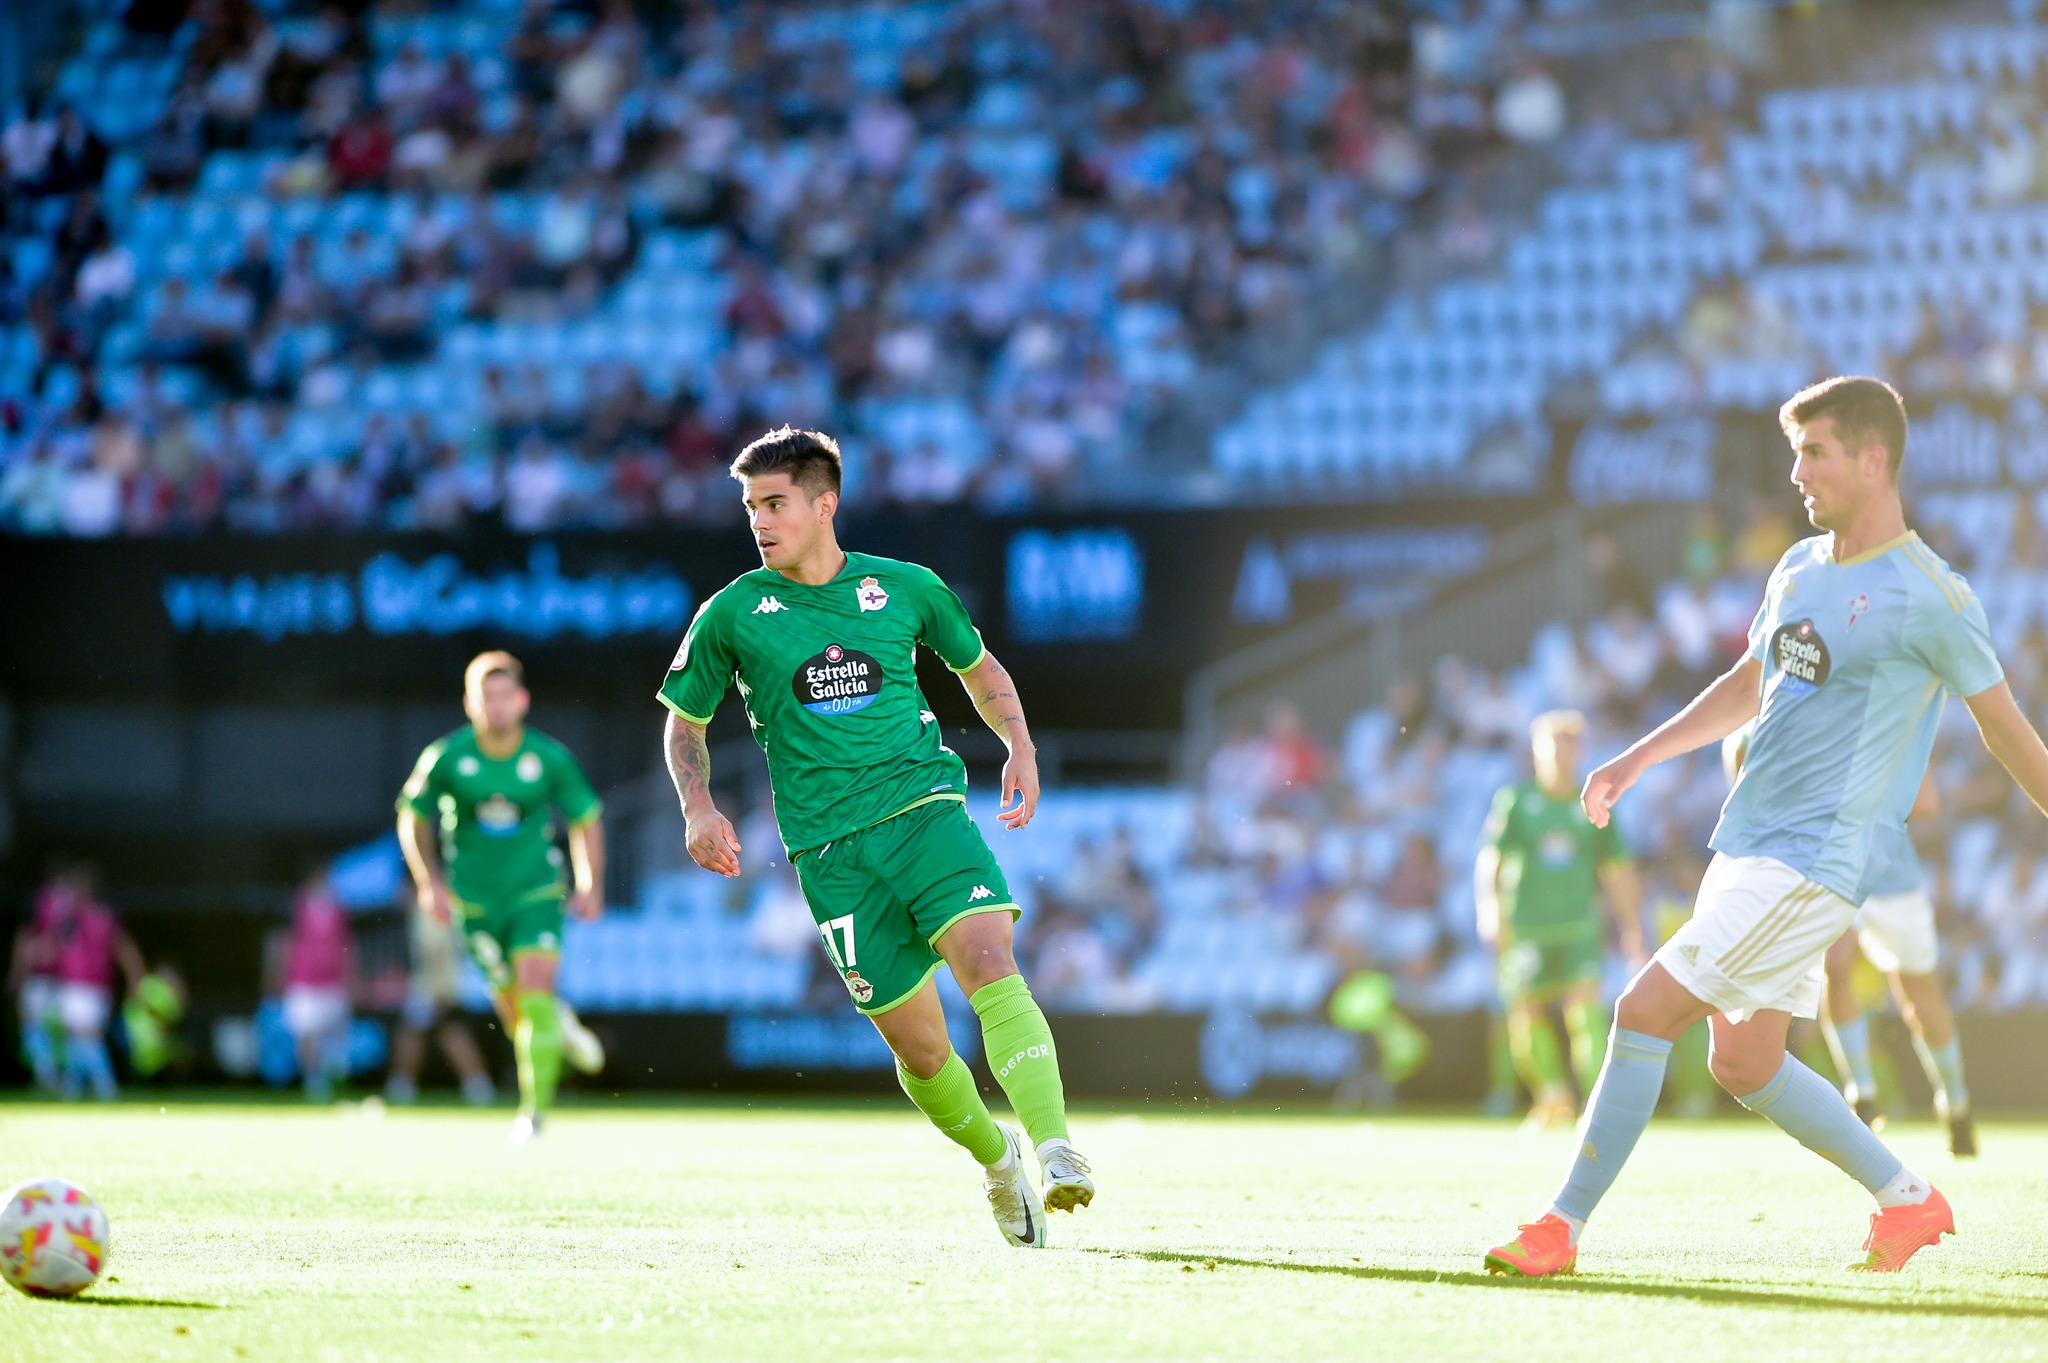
{"x": 587, "y": 904}
{"x": 1020, "y": 783}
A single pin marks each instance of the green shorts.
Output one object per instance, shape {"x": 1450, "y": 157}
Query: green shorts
{"x": 881, "y": 896}
{"x": 1541, "y": 968}
{"x": 502, "y": 929}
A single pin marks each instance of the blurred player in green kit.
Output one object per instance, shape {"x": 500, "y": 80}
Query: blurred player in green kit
{"x": 1541, "y": 873}
{"x": 476, "y": 820}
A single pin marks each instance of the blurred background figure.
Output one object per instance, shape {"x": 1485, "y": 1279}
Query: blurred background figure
{"x": 32, "y": 978}
{"x": 433, "y": 1007}
{"x": 91, "y": 947}
{"x": 318, "y": 972}
{"x": 1542, "y": 870}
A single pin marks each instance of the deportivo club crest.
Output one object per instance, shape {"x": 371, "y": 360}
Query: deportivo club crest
{"x": 870, "y": 595}
{"x": 861, "y": 990}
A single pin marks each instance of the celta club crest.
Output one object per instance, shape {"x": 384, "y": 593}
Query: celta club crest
{"x": 870, "y": 595}
{"x": 1858, "y": 609}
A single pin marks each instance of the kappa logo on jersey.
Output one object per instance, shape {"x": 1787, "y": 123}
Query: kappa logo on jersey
{"x": 861, "y": 990}
{"x": 870, "y": 595}
{"x": 838, "y": 681}
{"x": 769, "y": 605}
{"x": 1802, "y": 658}
{"x": 1858, "y": 608}
{"x": 981, "y": 892}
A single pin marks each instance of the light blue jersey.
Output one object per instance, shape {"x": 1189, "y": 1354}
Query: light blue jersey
{"x": 1901, "y": 873}
{"x": 1856, "y": 657}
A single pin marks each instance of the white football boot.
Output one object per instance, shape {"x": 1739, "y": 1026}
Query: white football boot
{"x": 525, "y": 1129}
{"x": 581, "y": 1048}
{"x": 1010, "y": 1196}
{"x": 1064, "y": 1175}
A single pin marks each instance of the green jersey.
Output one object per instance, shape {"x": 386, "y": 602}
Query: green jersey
{"x": 1550, "y": 858}
{"x": 828, "y": 678}
{"x": 496, "y": 814}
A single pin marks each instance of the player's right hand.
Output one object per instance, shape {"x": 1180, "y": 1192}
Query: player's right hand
{"x": 713, "y": 844}
{"x": 1606, "y": 785}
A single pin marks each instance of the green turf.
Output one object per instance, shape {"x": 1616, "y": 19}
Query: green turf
{"x": 858, "y": 1234}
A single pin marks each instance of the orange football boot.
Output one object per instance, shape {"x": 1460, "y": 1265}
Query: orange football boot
{"x": 1543, "y": 1248}
{"x": 1898, "y": 1233}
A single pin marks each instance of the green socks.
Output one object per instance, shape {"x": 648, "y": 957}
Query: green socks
{"x": 1020, "y": 1052}
{"x": 1586, "y": 1023}
{"x": 950, "y": 1099}
{"x": 1536, "y": 1054}
{"x": 537, "y": 1045}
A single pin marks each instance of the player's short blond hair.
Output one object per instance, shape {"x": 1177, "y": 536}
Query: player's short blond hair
{"x": 484, "y": 664}
{"x": 1551, "y": 723}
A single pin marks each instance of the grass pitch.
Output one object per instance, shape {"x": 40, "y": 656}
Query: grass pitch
{"x": 756, "y": 1232}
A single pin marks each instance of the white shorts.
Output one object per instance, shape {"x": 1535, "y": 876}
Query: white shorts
{"x": 315, "y": 1010}
{"x": 1896, "y": 932}
{"x": 1758, "y": 938}
{"x": 83, "y": 1008}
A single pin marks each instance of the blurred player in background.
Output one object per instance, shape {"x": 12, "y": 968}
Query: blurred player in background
{"x": 1541, "y": 872}
{"x": 476, "y": 820}
{"x": 433, "y": 1005}
{"x": 1861, "y": 632}
{"x": 32, "y": 977}
{"x": 872, "y": 805}
{"x": 319, "y": 974}
{"x": 1895, "y": 927}
{"x": 90, "y": 947}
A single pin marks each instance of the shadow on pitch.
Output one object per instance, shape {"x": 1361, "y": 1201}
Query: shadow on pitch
{"x": 1623, "y": 1287}
{"x": 160, "y": 1303}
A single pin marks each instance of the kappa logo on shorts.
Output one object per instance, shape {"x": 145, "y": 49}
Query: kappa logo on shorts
{"x": 861, "y": 990}
{"x": 981, "y": 892}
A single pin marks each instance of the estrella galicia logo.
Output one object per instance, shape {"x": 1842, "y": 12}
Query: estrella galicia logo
{"x": 1802, "y": 658}
{"x": 838, "y": 681}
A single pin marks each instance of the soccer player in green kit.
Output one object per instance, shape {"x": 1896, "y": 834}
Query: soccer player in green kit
{"x": 476, "y": 822}
{"x": 871, "y": 805}
{"x": 1542, "y": 865}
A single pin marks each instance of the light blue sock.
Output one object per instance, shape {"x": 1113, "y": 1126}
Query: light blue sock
{"x": 1854, "y": 1039}
{"x": 86, "y": 1058}
{"x": 1813, "y": 1112}
{"x": 1944, "y": 1066}
{"x": 1623, "y": 1099}
{"x": 42, "y": 1053}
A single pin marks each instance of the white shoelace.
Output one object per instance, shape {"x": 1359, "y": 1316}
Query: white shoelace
{"x": 1067, "y": 1164}
{"x": 1003, "y": 1194}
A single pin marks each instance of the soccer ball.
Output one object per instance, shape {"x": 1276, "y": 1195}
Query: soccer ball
{"x": 53, "y": 1238}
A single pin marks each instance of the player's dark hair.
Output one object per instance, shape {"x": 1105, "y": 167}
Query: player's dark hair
{"x": 810, "y": 458}
{"x": 1864, "y": 410}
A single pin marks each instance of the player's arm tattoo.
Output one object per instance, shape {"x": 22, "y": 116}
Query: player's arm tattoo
{"x": 995, "y": 699}
{"x": 689, "y": 762}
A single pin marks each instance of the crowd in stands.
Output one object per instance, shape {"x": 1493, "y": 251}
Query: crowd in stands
{"x": 1026, "y": 227}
